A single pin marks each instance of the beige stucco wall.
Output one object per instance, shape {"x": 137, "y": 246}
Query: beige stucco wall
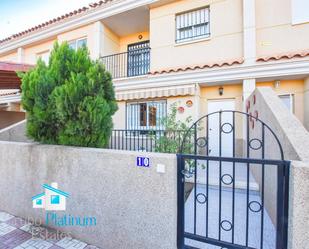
{"x": 230, "y": 92}
{"x": 12, "y": 57}
{"x": 31, "y": 53}
{"x": 224, "y": 44}
{"x": 110, "y": 42}
{"x": 295, "y": 87}
{"x": 275, "y": 32}
{"x": 119, "y": 118}
{"x": 114, "y": 44}
{"x": 133, "y": 38}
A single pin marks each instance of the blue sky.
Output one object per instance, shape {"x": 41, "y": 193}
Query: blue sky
{"x": 18, "y": 15}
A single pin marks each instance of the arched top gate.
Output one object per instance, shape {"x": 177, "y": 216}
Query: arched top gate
{"x": 232, "y": 184}
{"x": 231, "y": 134}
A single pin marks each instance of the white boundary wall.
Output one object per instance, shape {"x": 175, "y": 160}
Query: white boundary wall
{"x": 295, "y": 142}
{"x": 135, "y": 207}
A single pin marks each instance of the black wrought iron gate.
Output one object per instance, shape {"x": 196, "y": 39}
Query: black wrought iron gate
{"x": 232, "y": 184}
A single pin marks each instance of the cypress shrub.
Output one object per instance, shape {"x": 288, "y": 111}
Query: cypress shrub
{"x": 70, "y": 101}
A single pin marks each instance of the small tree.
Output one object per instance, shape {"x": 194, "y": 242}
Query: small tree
{"x": 70, "y": 101}
{"x": 175, "y": 132}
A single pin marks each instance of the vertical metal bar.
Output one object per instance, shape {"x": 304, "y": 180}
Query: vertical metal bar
{"x": 234, "y": 180}
{"x": 118, "y": 139}
{"x": 122, "y": 147}
{"x": 207, "y": 175}
{"x": 180, "y": 202}
{"x": 282, "y": 204}
{"x": 138, "y": 140}
{"x": 280, "y": 207}
{"x": 115, "y": 141}
{"x": 262, "y": 191}
{"x": 248, "y": 176}
{"x": 220, "y": 173}
{"x": 286, "y": 184}
{"x": 195, "y": 176}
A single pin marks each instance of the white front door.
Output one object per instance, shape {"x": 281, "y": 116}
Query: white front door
{"x": 226, "y": 124}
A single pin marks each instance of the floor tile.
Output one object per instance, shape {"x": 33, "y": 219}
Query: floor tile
{"x": 36, "y": 243}
{"x": 69, "y": 243}
{"x": 5, "y": 228}
{"x": 5, "y": 216}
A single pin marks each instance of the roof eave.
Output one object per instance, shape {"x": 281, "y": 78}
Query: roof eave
{"x": 86, "y": 18}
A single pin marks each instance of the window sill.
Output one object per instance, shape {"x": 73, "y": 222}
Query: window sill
{"x": 192, "y": 41}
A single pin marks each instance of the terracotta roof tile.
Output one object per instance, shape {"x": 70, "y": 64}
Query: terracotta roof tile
{"x": 55, "y": 20}
{"x": 291, "y": 55}
{"x": 10, "y": 92}
{"x": 196, "y": 67}
{"x": 11, "y": 66}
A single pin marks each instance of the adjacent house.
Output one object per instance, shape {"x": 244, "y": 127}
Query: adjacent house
{"x": 204, "y": 55}
{"x": 10, "y": 109}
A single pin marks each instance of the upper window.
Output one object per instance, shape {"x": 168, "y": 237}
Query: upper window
{"x": 44, "y": 56}
{"x": 300, "y": 12}
{"x": 192, "y": 25}
{"x": 78, "y": 43}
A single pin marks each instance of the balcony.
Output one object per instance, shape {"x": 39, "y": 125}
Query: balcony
{"x": 135, "y": 62}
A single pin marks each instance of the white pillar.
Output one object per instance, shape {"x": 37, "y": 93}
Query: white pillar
{"x": 20, "y": 55}
{"x": 197, "y": 102}
{"x": 306, "y": 103}
{"x": 249, "y": 38}
{"x": 248, "y": 87}
{"x": 98, "y": 43}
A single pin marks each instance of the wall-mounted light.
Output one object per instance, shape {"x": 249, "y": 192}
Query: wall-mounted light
{"x": 277, "y": 84}
{"x": 220, "y": 90}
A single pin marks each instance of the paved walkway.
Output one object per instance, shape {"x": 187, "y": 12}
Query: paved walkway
{"x": 19, "y": 234}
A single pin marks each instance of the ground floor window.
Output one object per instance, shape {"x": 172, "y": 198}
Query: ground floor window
{"x": 288, "y": 101}
{"x": 145, "y": 115}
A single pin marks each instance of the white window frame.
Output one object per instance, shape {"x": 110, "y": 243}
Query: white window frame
{"x": 44, "y": 56}
{"x": 291, "y": 97}
{"x": 189, "y": 20}
{"x": 75, "y": 42}
{"x": 300, "y": 13}
{"x": 133, "y": 115}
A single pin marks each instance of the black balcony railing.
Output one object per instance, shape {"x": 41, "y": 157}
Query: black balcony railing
{"x": 132, "y": 63}
{"x": 146, "y": 140}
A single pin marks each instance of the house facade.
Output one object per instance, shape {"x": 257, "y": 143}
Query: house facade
{"x": 202, "y": 55}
